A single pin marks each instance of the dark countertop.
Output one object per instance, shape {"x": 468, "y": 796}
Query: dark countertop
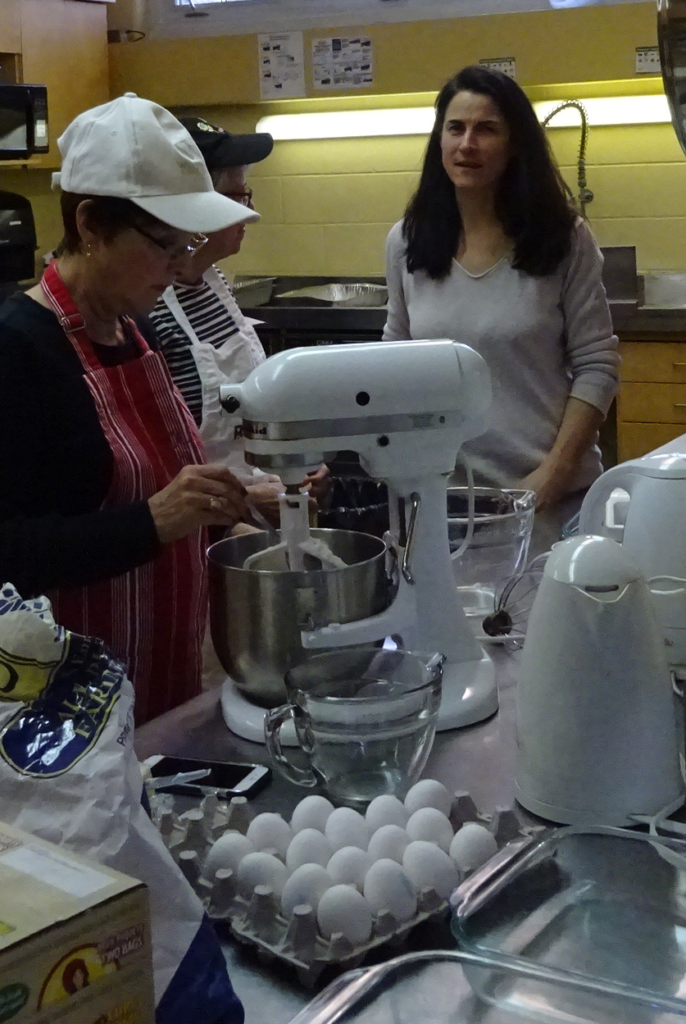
{"x": 656, "y": 324}
{"x": 478, "y": 759}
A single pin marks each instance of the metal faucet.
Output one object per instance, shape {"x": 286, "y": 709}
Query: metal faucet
{"x": 585, "y": 195}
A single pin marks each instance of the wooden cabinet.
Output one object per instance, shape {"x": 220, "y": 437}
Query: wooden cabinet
{"x": 10, "y": 26}
{"x": 651, "y": 406}
{"x": 64, "y": 46}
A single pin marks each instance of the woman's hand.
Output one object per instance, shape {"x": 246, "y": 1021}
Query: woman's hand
{"x": 265, "y": 497}
{"x": 555, "y": 475}
{"x": 317, "y": 484}
{"x": 549, "y": 484}
{"x": 199, "y": 496}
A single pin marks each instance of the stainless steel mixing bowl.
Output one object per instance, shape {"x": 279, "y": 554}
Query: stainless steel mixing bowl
{"x": 257, "y": 616}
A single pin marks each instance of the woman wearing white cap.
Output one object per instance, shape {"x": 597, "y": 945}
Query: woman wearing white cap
{"x": 104, "y": 490}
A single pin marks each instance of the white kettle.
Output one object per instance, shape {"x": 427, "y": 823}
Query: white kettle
{"x": 654, "y": 533}
{"x": 597, "y": 716}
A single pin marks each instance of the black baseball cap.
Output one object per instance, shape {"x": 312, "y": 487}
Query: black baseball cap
{"x": 222, "y": 149}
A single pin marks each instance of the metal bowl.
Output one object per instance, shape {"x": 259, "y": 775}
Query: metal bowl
{"x": 256, "y": 616}
{"x": 340, "y": 295}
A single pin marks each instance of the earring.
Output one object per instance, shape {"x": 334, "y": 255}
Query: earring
{"x": 89, "y": 250}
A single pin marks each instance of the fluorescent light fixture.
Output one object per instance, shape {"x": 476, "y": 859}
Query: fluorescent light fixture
{"x": 610, "y": 110}
{"x": 348, "y": 124}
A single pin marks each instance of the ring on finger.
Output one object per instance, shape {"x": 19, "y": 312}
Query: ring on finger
{"x": 215, "y": 504}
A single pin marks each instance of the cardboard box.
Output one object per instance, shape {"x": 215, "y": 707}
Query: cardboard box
{"x": 74, "y": 938}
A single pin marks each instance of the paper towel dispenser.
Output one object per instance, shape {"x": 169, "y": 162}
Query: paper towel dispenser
{"x": 17, "y": 238}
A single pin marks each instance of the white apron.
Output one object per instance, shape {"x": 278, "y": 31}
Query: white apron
{"x": 229, "y": 364}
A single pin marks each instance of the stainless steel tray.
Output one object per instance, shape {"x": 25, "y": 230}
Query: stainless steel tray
{"x": 340, "y": 295}
{"x": 450, "y": 987}
{"x": 601, "y": 903}
{"x": 253, "y": 291}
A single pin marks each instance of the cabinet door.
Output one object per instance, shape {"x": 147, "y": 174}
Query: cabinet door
{"x": 652, "y": 403}
{"x": 64, "y": 46}
{"x": 653, "y": 361}
{"x": 635, "y": 439}
{"x": 10, "y": 26}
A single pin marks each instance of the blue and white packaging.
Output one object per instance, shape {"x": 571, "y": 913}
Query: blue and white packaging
{"x": 68, "y": 774}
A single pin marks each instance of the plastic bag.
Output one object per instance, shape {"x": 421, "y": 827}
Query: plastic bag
{"x": 68, "y": 774}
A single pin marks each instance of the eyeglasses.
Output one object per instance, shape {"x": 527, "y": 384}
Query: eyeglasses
{"x": 244, "y": 198}
{"x": 174, "y": 250}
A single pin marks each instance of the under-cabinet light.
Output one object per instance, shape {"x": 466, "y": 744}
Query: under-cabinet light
{"x": 345, "y": 124}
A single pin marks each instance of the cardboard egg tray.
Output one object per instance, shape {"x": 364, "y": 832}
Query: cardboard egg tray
{"x": 258, "y": 921}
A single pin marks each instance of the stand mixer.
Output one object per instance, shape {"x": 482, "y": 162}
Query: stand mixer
{"x": 406, "y": 408}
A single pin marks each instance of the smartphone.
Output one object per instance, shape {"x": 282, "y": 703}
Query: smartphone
{"x": 225, "y": 778}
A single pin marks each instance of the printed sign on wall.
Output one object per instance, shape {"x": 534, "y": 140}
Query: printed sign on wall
{"x": 282, "y": 64}
{"x": 342, "y": 62}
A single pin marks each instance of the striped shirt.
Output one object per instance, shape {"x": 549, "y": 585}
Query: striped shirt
{"x": 212, "y": 322}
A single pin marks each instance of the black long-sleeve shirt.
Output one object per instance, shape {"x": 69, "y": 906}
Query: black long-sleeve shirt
{"x": 56, "y": 465}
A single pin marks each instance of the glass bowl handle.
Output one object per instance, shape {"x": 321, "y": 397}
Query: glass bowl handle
{"x": 273, "y": 721}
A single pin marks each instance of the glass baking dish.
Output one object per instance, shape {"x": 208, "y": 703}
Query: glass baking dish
{"x": 585, "y": 903}
{"x": 451, "y": 987}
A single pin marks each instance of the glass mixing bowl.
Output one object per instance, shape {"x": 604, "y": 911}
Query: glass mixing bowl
{"x": 499, "y": 548}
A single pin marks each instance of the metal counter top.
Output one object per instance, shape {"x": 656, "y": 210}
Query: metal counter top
{"x": 657, "y": 324}
{"x": 479, "y": 759}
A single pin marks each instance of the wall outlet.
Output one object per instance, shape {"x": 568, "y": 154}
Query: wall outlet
{"x": 505, "y": 64}
{"x": 648, "y": 60}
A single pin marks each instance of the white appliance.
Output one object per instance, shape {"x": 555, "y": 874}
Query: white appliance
{"x": 406, "y": 408}
{"x": 597, "y": 716}
{"x": 653, "y": 532}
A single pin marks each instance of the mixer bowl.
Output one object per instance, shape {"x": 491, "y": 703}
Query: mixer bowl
{"x": 256, "y": 616}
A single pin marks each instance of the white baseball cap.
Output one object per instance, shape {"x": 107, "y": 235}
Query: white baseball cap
{"x": 134, "y": 149}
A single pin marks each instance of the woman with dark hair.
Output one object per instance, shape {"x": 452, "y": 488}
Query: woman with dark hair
{"x": 491, "y": 253}
{"x": 105, "y": 493}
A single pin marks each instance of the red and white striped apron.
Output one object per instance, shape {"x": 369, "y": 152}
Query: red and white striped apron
{"x": 153, "y": 617}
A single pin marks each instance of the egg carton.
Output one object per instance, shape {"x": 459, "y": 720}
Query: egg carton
{"x": 258, "y": 921}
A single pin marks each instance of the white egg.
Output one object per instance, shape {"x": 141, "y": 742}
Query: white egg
{"x": 261, "y": 869}
{"x": 345, "y": 827}
{"x": 432, "y": 825}
{"x": 308, "y": 847}
{"x": 387, "y": 887}
{"x": 472, "y": 846}
{"x": 343, "y": 909}
{"x": 270, "y": 832}
{"x": 428, "y": 793}
{"x": 388, "y": 841}
{"x": 307, "y": 884}
{"x": 349, "y": 866}
{"x": 227, "y": 852}
{"x": 312, "y": 812}
{"x": 427, "y": 866}
{"x": 386, "y": 810}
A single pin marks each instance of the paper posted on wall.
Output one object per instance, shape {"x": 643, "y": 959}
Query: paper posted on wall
{"x": 342, "y": 62}
{"x": 282, "y": 64}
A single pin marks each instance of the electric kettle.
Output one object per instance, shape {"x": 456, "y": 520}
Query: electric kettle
{"x": 597, "y": 732}
{"x": 654, "y": 533}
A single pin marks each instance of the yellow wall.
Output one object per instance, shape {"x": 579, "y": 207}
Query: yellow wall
{"x": 575, "y": 45}
{"x": 327, "y": 205}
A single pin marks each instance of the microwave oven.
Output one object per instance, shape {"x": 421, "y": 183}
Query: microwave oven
{"x": 23, "y": 121}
